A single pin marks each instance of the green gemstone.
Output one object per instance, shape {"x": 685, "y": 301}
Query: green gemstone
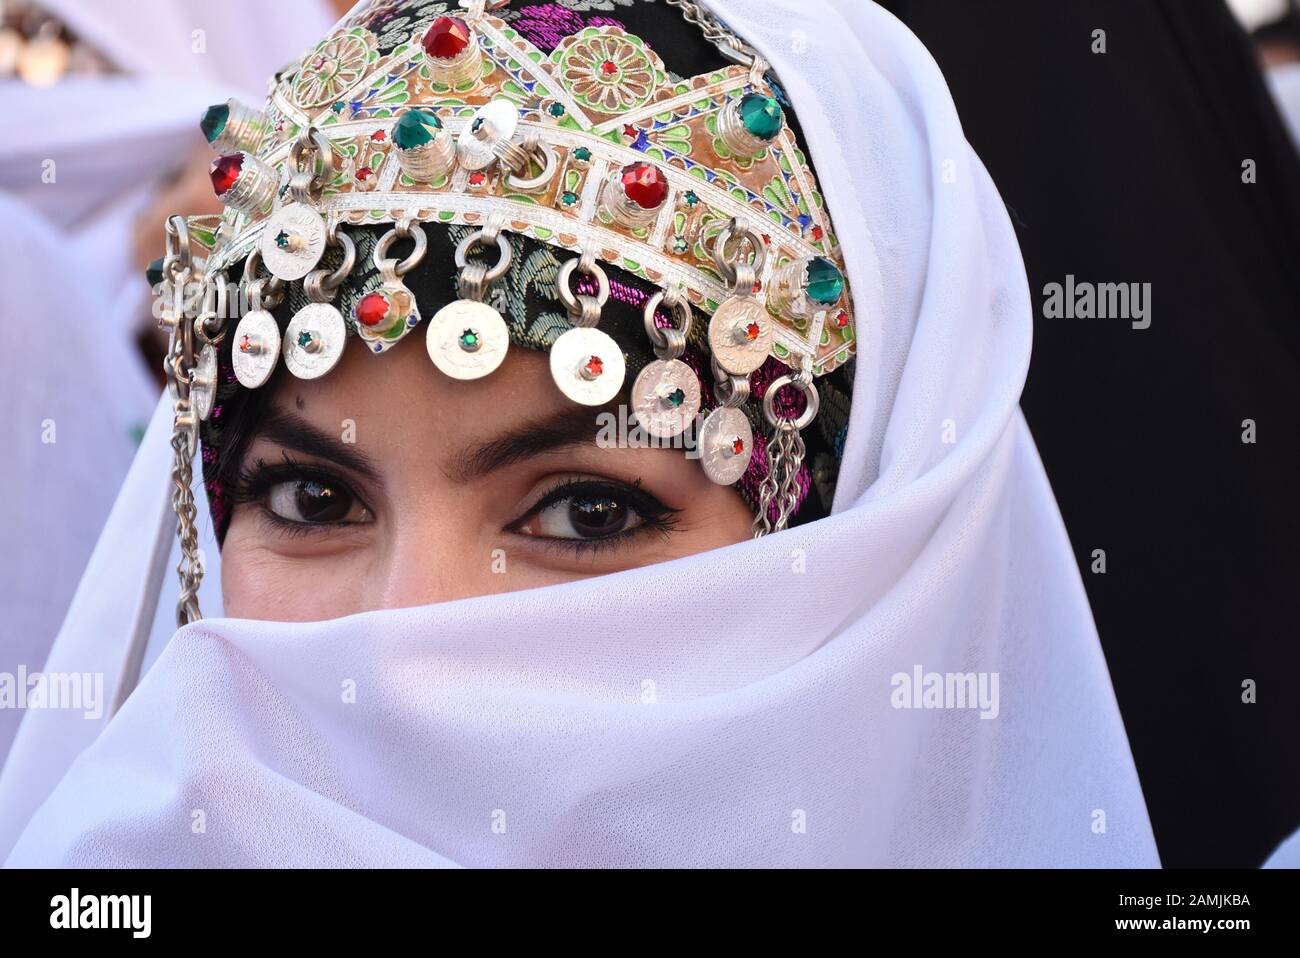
{"x": 282, "y": 239}
{"x": 680, "y": 245}
{"x": 338, "y": 106}
{"x": 691, "y": 198}
{"x": 415, "y": 128}
{"x": 304, "y": 339}
{"x": 762, "y": 115}
{"x": 153, "y": 273}
{"x": 823, "y": 282}
{"x": 557, "y": 109}
{"x": 569, "y": 198}
{"x": 582, "y": 153}
{"x": 676, "y": 397}
{"x": 214, "y": 120}
{"x": 469, "y": 340}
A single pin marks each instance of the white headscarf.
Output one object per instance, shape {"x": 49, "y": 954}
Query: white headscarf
{"x": 736, "y": 707}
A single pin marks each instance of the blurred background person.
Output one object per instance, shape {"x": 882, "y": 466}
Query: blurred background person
{"x": 98, "y": 108}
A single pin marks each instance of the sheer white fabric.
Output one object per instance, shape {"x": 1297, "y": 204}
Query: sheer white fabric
{"x": 735, "y": 707}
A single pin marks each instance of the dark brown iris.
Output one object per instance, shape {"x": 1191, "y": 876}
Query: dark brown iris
{"x": 597, "y": 516}
{"x": 321, "y": 502}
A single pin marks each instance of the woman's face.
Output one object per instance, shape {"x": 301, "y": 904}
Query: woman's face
{"x": 386, "y": 484}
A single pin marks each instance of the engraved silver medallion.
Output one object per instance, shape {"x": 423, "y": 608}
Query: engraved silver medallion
{"x": 314, "y": 340}
{"x": 726, "y": 444}
{"x": 467, "y": 339}
{"x": 255, "y": 349}
{"x": 494, "y": 122}
{"x": 666, "y": 397}
{"x": 203, "y": 385}
{"x": 740, "y": 335}
{"x": 588, "y": 366}
{"x": 292, "y": 241}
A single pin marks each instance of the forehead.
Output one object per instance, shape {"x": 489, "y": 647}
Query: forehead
{"x": 400, "y": 398}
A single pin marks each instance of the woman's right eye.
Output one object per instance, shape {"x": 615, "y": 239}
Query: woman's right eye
{"x": 315, "y": 501}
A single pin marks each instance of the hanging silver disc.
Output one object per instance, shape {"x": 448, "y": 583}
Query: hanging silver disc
{"x": 292, "y": 241}
{"x": 492, "y": 123}
{"x": 725, "y": 430}
{"x": 666, "y": 398}
{"x": 467, "y": 339}
{"x": 588, "y": 366}
{"x": 740, "y": 334}
{"x": 255, "y": 349}
{"x": 314, "y": 340}
{"x": 203, "y": 390}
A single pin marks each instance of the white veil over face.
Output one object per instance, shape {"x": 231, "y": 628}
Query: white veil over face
{"x": 913, "y": 681}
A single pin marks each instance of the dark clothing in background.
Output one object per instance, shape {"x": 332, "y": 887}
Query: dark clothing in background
{"x": 1126, "y": 167}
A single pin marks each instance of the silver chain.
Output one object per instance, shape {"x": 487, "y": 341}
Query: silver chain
{"x": 180, "y": 371}
{"x": 731, "y": 46}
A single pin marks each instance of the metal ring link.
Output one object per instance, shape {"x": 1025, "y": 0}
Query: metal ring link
{"x": 413, "y": 258}
{"x": 565, "y": 276}
{"x": 810, "y": 408}
{"x": 481, "y": 239}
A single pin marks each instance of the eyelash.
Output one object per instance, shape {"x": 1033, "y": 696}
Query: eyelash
{"x": 253, "y": 483}
{"x": 655, "y": 516}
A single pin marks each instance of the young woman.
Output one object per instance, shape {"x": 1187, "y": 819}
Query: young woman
{"x": 559, "y": 522}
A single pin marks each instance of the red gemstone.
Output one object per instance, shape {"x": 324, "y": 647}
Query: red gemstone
{"x": 609, "y": 68}
{"x": 225, "y": 170}
{"x": 737, "y": 445}
{"x": 817, "y": 233}
{"x": 365, "y": 173}
{"x": 752, "y": 331}
{"x": 372, "y": 309}
{"x": 245, "y": 344}
{"x": 447, "y": 37}
{"x": 477, "y": 177}
{"x": 378, "y": 136}
{"x": 841, "y": 319}
{"x": 594, "y": 366}
{"x": 645, "y": 185}
{"x": 629, "y": 131}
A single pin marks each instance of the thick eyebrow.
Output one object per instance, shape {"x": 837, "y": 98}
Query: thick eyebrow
{"x": 568, "y": 427}
{"x": 293, "y": 432}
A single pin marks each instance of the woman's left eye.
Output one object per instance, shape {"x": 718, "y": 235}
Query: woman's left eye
{"x": 583, "y": 517}
{"x": 309, "y": 501}
{"x": 591, "y": 512}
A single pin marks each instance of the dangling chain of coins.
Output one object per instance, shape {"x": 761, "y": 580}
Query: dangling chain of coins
{"x": 294, "y": 238}
{"x": 586, "y": 363}
{"x": 179, "y": 366}
{"x": 315, "y": 337}
{"x": 785, "y": 451}
{"x": 468, "y": 338}
{"x": 740, "y": 335}
{"x": 257, "y": 337}
{"x": 666, "y": 394}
